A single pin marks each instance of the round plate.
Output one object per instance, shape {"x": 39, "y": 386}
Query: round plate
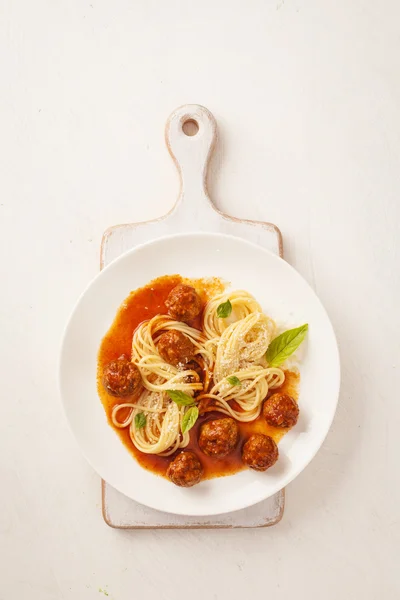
{"x": 283, "y": 294}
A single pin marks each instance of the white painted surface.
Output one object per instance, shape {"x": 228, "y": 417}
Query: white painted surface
{"x": 306, "y": 95}
{"x": 193, "y": 210}
{"x": 123, "y": 512}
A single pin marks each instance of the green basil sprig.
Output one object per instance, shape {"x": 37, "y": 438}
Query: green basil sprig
{"x": 180, "y": 398}
{"x": 189, "y": 418}
{"x": 233, "y": 380}
{"x": 140, "y": 420}
{"x": 284, "y": 345}
{"x": 191, "y": 415}
{"x": 224, "y": 309}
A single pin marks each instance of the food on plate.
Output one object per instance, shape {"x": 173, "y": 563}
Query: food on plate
{"x": 121, "y": 377}
{"x": 183, "y": 303}
{"x": 193, "y": 377}
{"x": 218, "y": 437}
{"x": 260, "y": 452}
{"x": 176, "y": 348}
{"x": 196, "y": 365}
{"x": 185, "y": 469}
{"x": 280, "y": 410}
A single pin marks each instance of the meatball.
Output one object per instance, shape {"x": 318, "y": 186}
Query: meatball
{"x": 219, "y": 437}
{"x": 183, "y": 303}
{"x": 280, "y": 410}
{"x": 185, "y": 470}
{"x": 175, "y": 347}
{"x": 260, "y": 452}
{"x": 121, "y": 378}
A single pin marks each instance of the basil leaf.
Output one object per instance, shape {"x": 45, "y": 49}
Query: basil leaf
{"x": 224, "y": 309}
{"x": 284, "y": 345}
{"x": 180, "y": 398}
{"x": 233, "y": 380}
{"x": 189, "y": 418}
{"x": 140, "y": 420}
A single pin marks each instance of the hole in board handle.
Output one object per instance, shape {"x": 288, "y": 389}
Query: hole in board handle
{"x": 190, "y": 127}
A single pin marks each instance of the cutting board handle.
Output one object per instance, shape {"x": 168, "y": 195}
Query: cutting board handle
{"x": 191, "y": 152}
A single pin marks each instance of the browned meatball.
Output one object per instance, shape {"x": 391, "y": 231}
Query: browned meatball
{"x": 260, "y": 452}
{"x": 185, "y": 470}
{"x": 219, "y": 437}
{"x": 280, "y": 410}
{"x": 121, "y": 378}
{"x": 183, "y": 303}
{"x": 175, "y": 347}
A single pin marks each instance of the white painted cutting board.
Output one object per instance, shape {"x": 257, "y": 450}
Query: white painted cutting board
{"x": 191, "y": 135}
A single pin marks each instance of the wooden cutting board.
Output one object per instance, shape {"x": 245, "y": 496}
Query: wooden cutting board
{"x": 191, "y": 135}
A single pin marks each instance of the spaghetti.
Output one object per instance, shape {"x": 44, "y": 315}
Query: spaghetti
{"x": 236, "y": 377}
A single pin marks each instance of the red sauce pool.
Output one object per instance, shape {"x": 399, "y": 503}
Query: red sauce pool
{"x": 143, "y": 304}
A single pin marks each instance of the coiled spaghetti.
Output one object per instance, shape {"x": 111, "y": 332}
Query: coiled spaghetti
{"x": 236, "y": 375}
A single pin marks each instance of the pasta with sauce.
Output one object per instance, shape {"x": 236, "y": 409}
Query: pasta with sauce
{"x": 179, "y": 368}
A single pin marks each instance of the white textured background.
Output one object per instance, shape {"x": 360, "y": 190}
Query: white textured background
{"x": 307, "y": 96}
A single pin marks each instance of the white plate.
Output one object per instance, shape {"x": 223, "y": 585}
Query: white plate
{"x": 282, "y": 293}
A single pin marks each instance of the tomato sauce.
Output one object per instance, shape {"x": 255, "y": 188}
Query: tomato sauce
{"x": 141, "y": 305}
